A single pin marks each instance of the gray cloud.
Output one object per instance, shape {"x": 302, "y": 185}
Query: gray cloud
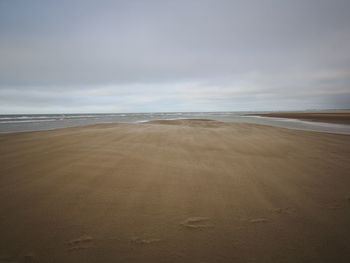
{"x": 105, "y": 56}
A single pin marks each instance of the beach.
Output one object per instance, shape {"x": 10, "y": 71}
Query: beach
{"x": 175, "y": 191}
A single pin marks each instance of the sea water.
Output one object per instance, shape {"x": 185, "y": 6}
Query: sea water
{"x": 37, "y": 122}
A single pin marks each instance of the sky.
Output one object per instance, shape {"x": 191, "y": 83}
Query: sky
{"x": 72, "y": 56}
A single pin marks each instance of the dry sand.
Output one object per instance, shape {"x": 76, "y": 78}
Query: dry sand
{"x": 175, "y": 191}
{"x": 339, "y": 117}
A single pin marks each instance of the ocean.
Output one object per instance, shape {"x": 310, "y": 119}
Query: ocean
{"x": 37, "y": 122}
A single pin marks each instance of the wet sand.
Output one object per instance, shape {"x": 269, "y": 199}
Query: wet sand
{"x": 339, "y": 117}
{"x": 175, "y": 191}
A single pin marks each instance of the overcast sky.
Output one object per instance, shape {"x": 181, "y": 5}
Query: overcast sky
{"x": 151, "y": 56}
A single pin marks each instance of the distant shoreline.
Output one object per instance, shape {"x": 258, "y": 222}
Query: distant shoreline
{"x": 338, "y": 117}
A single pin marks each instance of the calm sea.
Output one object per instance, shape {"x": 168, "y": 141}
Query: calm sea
{"x": 36, "y": 122}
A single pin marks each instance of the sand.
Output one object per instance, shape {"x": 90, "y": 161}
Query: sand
{"x": 174, "y": 191}
{"x": 338, "y": 117}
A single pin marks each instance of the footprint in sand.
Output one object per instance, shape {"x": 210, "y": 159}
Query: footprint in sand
{"x": 341, "y": 204}
{"x": 197, "y": 223}
{"x": 334, "y": 207}
{"x": 9, "y": 259}
{"x": 286, "y": 210}
{"x": 258, "y": 220}
{"x": 144, "y": 241}
{"x": 83, "y": 242}
{"x": 29, "y": 257}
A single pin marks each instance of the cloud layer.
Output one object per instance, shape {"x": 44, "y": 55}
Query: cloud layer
{"x": 135, "y": 56}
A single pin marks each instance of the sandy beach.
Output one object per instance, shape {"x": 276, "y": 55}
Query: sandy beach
{"x": 338, "y": 117}
{"x": 175, "y": 191}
